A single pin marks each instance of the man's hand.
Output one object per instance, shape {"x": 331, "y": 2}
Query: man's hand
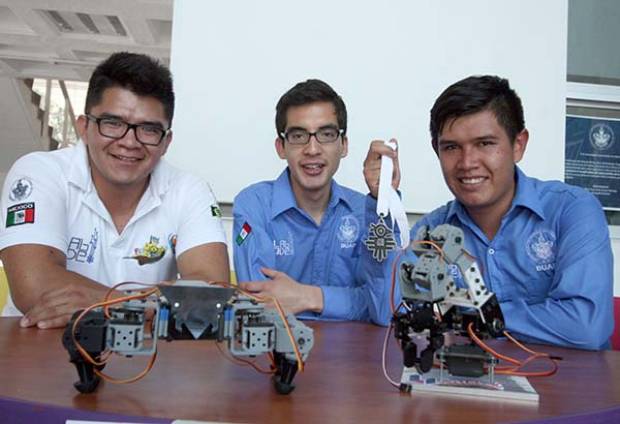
{"x": 293, "y": 296}
{"x": 372, "y": 166}
{"x": 56, "y": 306}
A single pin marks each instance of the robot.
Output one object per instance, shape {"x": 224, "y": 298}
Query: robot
{"x": 444, "y": 292}
{"x": 186, "y": 310}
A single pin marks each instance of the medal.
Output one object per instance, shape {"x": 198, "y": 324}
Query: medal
{"x": 380, "y": 240}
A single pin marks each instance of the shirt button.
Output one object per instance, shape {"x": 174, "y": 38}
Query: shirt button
{"x": 491, "y": 251}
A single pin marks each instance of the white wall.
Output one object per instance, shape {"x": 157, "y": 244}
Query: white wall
{"x": 389, "y": 60}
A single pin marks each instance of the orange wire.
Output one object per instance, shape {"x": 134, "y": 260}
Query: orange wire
{"x": 242, "y": 362}
{"x": 500, "y": 370}
{"x": 114, "y": 287}
{"x": 515, "y": 371}
{"x": 470, "y": 331}
{"x": 512, "y": 339}
{"x": 393, "y": 280}
{"x": 106, "y": 303}
{"x": 144, "y": 372}
{"x": 78, "y": 346}
{"x": 300, "y": 363}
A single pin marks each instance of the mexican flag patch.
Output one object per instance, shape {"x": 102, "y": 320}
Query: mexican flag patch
{"x": 244, "y": 233}
{"x": 20, "y": 214}
{"x": 215, "y": 211}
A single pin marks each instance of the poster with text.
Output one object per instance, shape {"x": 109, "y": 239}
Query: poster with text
{"x": 593, "y": 157}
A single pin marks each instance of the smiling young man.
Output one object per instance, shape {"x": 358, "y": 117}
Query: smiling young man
{"x": 79, "y": 220}
{"x": 299, "y": 238}
{"x": 543, "y": 246}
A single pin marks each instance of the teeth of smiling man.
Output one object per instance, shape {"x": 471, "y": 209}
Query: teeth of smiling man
{"x": 313, "y": 166}
{"x": 472, "y": 180}
{"x": 125, "y": 158}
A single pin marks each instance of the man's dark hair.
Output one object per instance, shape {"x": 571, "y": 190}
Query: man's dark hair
{"x": 310, "y": 91}
{"x": 476, "y": 94}
{"x": 138, "y": 73}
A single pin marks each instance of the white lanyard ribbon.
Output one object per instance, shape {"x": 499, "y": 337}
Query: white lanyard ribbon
{"x": 388, "y": 201}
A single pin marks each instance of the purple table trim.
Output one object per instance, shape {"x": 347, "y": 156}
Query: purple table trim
{"x": 611, "y": 415}
{"x": 22, "y": 412}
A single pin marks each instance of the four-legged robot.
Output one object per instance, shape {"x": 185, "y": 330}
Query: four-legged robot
{"x": 188, "y": 310}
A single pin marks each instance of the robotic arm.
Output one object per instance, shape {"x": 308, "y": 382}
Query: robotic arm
{"x": 434, "y": 304}
{"x": 187, "y": 310}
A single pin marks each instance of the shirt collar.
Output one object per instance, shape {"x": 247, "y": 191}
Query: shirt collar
{"x": 284, "y": 198}
{"x": 526, "y": 196}
{"x": 79, "y": 173}
{"x": 161, "y": 178}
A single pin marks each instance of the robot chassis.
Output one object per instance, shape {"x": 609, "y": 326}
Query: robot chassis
{"x": 433, "y": 304}
{"x": 188, "y": 310}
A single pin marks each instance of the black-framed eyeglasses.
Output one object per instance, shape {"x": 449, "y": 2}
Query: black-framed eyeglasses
{"x": 149, "y": 134}
{"x": 300, "y": 136}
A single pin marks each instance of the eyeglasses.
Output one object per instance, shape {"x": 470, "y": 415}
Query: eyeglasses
{"x": 300, "y": 136}
{"x": 149, "y": 134}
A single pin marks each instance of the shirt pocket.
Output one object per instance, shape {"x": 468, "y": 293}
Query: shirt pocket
{"x": 532, "y": 290}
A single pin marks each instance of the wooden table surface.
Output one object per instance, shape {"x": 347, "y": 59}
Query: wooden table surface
{"x": 343, "y": 382}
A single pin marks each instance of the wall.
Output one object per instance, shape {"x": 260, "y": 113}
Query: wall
{"x": 389, "y": 60}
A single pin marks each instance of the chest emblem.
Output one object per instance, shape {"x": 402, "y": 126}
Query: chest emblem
{"x": 348, "y": 231}
{"x": 284, "y": 247}
{"x": 541, "y": 248}
{"x": 83, "y": 250}
{"x": 151, "y": 252}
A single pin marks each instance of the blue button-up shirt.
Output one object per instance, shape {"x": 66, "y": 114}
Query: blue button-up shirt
{"x": 271, "y": 231}
{"x": 550, "y": 263}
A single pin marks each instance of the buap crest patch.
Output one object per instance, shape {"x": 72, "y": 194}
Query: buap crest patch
{"x": 20, "y": 189}
{"x": 348, "y": 231}
{"x": 541, "y": 248}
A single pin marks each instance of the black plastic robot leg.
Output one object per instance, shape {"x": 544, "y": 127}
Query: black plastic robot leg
{"x": 285, "y": 372}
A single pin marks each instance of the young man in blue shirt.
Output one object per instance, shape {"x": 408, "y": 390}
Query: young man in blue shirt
{"x": 299, "y": 238}
{"x": 543, "y": 246}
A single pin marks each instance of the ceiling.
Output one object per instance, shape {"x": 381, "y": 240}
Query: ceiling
{"x": 65, "y": 39}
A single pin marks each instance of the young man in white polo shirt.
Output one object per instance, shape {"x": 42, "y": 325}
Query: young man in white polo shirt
{"x": 77, "y": 221}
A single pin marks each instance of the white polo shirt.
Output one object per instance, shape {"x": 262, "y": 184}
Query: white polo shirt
{"x": 49, "y": 198}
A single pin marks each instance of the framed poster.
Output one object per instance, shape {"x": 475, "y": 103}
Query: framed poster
{"x": 592, "y": 157}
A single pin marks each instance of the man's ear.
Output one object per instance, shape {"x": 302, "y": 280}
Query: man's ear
{"x": 167, "y": 140}
{"x": 279, "y": 144}
{"x": 519, "y": 145}
{"x": 345, "y": 146}
{"x": 80, "y": 125}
